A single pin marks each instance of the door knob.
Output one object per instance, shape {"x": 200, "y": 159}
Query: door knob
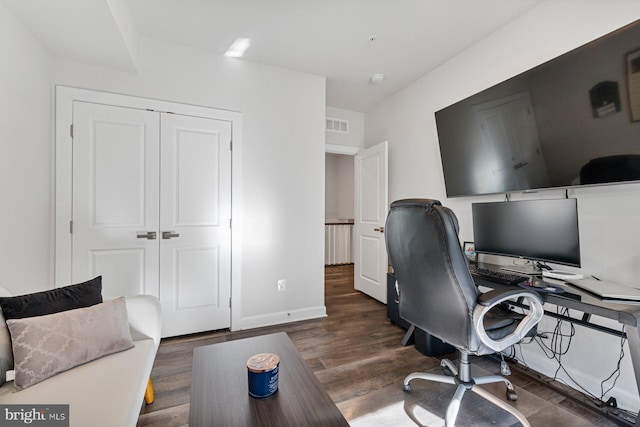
{"x": 169, "y": 234}
{"x": 151, "y": 235}
{"x": 381, "y": 229}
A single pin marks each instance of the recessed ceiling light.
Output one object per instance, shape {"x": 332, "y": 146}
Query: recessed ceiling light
{"x": 377, "y": 78}
{"x": 238, "y": 47}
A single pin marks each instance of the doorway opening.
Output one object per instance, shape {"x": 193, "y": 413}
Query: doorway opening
{"x": 339, "y": 209}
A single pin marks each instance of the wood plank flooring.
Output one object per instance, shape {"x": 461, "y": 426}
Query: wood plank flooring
{"x": 355, "y": 353}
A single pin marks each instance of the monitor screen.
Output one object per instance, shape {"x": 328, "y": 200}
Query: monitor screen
{"x": 540, "y": 230}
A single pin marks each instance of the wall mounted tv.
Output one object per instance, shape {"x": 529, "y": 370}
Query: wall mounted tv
{"x": 574, "y": 120}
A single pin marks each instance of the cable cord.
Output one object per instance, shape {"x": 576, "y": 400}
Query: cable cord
{"x": 559, "y": 346}
{"x": 557, "y": 341}
{"x": 616, "y": 372}
{"x": 556, "y": 350}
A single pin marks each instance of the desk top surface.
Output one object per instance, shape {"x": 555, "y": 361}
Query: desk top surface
{"x": 575, "y": 298}
{"x": 219, "y": 390}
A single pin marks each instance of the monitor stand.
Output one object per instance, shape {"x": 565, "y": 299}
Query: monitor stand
{"x": 529, "y": 269}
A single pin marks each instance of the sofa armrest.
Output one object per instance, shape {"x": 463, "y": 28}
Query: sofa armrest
{"x": 145, "y": 316}
{"x": 6, "y": 351}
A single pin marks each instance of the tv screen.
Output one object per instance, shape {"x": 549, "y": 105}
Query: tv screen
{"x": 574, "y": 120}
{"x": 541, "y": 230}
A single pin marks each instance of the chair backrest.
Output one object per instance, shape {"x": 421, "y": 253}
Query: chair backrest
{"x": 437, "y": 292}
{"x": 623, "y": 167}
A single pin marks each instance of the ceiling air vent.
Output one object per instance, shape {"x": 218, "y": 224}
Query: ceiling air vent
{"x": 336, "y": 125}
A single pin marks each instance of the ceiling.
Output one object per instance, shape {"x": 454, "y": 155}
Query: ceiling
{"x": 345, "y": 41}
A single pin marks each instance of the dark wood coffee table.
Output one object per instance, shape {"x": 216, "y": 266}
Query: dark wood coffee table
{"x": 220, "y": 396}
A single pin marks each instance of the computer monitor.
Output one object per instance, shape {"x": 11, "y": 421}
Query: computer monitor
{"x": 537, "y": 230}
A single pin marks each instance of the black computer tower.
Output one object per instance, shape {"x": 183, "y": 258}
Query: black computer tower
{"x": 425, "y": 343}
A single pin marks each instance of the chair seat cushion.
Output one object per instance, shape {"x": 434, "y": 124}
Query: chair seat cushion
{"x": 500, "y": 322}
{"x": 499, "y": 317}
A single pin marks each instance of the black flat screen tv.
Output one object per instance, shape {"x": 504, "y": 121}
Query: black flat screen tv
{"x": 538, "y": 230}
{"x": 572, "y": 121}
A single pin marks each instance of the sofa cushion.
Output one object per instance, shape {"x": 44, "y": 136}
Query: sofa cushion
{"x": 53, "y": 301}
{"x": 106, "y": 392}
{"x": 46, "y": 345}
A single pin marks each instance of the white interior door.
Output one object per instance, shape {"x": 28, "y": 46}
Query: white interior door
{"x": 371, "y": 205}
{"x": 151, "y": 210}
{"x": 195, "y": 253}
{"x": 512, "y": 149}
{"x": 115, "y": 198}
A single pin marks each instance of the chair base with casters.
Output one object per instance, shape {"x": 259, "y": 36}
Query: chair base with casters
{"x": 461, "y": 376}
{"x": 494, "y": 334}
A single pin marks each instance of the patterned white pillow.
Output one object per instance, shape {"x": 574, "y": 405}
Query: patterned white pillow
{"x": 47, "y": 345}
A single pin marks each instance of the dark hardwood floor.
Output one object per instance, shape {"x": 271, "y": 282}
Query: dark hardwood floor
{"x": 355, "y": 353}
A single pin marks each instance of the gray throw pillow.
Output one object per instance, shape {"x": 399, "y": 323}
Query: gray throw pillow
{"x": 46, "y": 345}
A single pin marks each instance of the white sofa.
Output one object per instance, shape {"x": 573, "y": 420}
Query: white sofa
{"x": 108, "y": 391}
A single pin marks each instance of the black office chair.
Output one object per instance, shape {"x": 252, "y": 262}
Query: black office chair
{"x": 623, "y": 167}
{"x": 438, "y": 295}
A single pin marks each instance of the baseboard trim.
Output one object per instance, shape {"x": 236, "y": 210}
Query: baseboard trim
{"x": 620, "y": 416}
{"x": 283, "y": 317}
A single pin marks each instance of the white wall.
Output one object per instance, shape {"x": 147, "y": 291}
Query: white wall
{"x": 355, "y": 137}
{"x": 330, "y": 187}
{"x": 609, "y": 223}
{"x": 339, "y": 167}
{"x": 281, "y": 165}
{"x": 346, "y": 188}
{"x": 339, "y": 181}
{"x": 25, "y": 158}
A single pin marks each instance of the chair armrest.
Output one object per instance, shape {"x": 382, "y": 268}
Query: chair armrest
{"x": 145, "y": 316}
{"x": 492, "y": 298}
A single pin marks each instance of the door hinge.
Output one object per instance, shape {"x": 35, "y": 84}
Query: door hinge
{"x": 70, "y": 227}
{"x": 71, "y": 131}
{"x": 231, "y": 145}
{"x": 229, "y": 302}
{"x": 229, "y": 222}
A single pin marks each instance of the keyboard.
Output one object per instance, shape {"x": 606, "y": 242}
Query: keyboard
{"x": 501, "y": 277}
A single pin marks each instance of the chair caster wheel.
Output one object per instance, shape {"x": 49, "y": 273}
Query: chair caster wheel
{"x": 512, "y": 395}
{"x": 406, "y": 387}
{"x": 446, "y": 371}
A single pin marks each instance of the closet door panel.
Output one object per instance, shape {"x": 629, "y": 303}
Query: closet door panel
{"x": 195, "y": 266}
{"x": 116, "y": 198}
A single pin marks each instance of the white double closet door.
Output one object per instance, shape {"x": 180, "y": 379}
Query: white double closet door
{"x": 151, "y": 210}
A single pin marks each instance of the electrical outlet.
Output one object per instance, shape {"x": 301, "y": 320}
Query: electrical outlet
{"x": 282, "y": 285}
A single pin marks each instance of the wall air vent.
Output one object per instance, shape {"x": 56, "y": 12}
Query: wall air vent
{"x": 336, "y": 125}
